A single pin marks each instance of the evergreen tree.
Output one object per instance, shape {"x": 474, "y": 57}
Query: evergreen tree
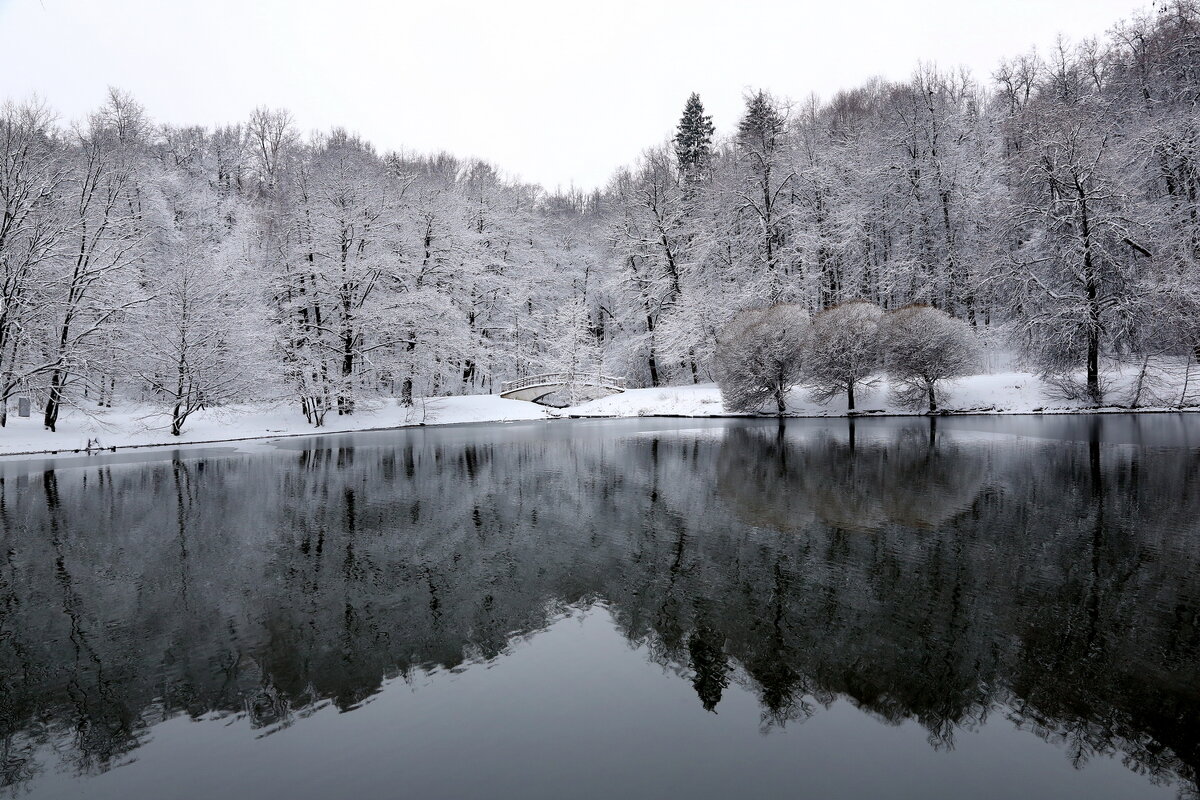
{"x": 765, "y": 174}
{"x": 693, "y": 140}
{"x": 761, "y": 127}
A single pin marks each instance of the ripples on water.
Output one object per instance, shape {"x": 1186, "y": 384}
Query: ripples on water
{"x": 952, "y": 579}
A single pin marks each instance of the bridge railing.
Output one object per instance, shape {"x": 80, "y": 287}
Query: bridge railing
{"x": 565, "y": 378}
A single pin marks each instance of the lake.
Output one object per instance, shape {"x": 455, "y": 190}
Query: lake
{"x": 983, "y": 607}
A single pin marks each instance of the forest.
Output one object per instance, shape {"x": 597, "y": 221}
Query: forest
{"x": 1051, "y": 206}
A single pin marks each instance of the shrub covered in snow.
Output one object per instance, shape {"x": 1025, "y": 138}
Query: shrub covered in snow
{"x": 759, "y": 356}
{"x": 843, "y": 350}
{"x": 923, "y": 348}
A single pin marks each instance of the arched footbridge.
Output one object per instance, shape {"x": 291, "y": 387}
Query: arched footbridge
{"x": 535, "y": 387}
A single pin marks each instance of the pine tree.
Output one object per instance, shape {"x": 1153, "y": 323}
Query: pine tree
{"x": 693, "y": 140}
{"x": 765, "y": 172}
{"x": 762, "y": 124}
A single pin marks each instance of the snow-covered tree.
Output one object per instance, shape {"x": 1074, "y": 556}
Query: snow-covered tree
{"x": 924, "y": 348}
{"x": 760, "y": 193}
{"x": 33, "y": 223}
{"x": 693, "y": 140}
{"x": 650, "y": 235}
{"x": 844, "y": 350}
{"x": 200, "y": 340}
{"x": 1074, "y": 276}
{"x": 93, "y": 282}
{"x": 760, "y": 356}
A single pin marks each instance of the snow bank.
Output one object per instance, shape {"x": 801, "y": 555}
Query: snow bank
{"x": 478, "y": 408}
{"x": 701, "y": 400}
{"x": 1000, "y": 393}
{"x": 126, "y": 427}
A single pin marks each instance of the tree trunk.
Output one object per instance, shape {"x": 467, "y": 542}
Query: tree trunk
{"x": 1187, "y": 374}
{"x": 57, "y": 378}
{"x": 1093, "y": 359}
{"x": 177, "y": 415}
{"x": 850, "y": 396}
{"x": 53, "y": 401}
{"x": 932, "y": 399}
{"x": 406, "y": 388}
{"x": 1141, "y": 383}
{"x": 345, "y": 400}
{"x": 650, "y": 360}
{"x": 1092, "y": 288}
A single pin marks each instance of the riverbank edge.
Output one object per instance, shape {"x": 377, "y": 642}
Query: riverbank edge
{"x": 866, "y": 414}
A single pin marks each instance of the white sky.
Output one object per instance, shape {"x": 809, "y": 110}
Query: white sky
{"x": 557, "y": 92}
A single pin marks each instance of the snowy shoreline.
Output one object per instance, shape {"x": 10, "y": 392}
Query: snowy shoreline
{"x": 1011, "y": 393}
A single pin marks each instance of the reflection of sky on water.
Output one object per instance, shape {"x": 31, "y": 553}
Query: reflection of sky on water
{"x": 575, "y": 712}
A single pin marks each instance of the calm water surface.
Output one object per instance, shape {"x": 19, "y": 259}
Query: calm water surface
{"x": 982, "y": 607}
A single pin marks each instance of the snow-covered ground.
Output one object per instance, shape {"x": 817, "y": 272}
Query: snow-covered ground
{"x": 999, "y": 393}
{"x": 1012, "y": 392}
{"x": 124, "y": 427}
{"x": 700, "y": 400}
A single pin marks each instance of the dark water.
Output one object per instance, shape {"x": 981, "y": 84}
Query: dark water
{"x": 988, "y": 608}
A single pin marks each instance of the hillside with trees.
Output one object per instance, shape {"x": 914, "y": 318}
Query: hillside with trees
{"x": 1051, "y": 206}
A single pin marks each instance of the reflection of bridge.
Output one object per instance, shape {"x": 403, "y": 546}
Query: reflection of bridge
{"x": 535, "y": 387}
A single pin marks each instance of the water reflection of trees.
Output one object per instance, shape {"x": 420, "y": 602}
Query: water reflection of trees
{"x": 938, "y": 580}
{"x": 846, "y": 478}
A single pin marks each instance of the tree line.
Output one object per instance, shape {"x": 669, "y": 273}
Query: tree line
{"x": 1051, "y": 206}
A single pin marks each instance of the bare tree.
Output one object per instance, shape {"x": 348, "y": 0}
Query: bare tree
{"x": 33, "y": 173}
{"x": 198, "y": 341}
{"x": 1073, "y": 277}
{"x": 94, "y": 286}
{"x": 650, "y": 233}
{"x": 271, "y": 139}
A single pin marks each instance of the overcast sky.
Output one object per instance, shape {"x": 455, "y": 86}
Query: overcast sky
{"x": 556, "y": 92}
